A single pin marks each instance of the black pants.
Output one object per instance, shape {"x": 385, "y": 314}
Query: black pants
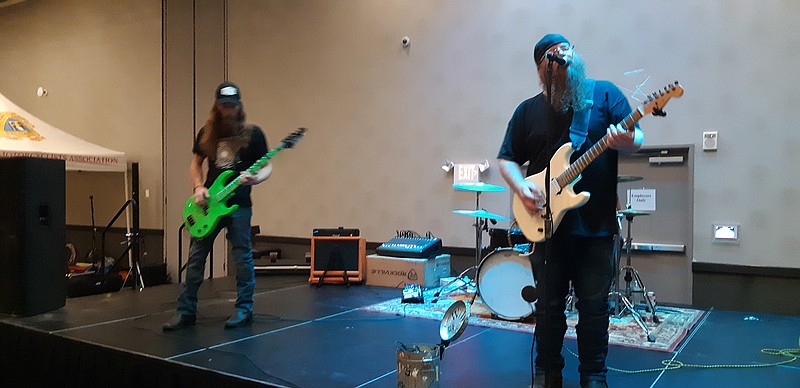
{"x": 587, "y": 262}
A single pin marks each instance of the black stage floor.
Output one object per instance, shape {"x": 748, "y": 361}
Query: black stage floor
{"x": 304, "y": 336}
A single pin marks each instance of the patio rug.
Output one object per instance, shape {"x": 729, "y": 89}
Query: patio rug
{"x": 675, "y": 322}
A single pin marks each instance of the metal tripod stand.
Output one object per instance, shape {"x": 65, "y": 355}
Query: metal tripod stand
{"x": 631, "y": 274}
{"x": 620, "y": 301}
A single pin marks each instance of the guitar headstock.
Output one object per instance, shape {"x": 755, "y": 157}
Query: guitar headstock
{"x": 655, "y": 102}
{"x": 293, "y": 138}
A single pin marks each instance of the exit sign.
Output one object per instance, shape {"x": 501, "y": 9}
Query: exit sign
{"x": 467, "y": 173}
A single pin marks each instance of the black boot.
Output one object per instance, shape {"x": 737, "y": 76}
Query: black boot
{"x": 547, "y": 380}
{"x": 179, "y": 321}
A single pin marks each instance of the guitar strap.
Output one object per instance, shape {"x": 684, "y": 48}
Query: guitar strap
{"x": 580, "y": 121}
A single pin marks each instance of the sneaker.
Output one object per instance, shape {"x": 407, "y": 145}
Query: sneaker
{"x": 239, "y": 319}
{"x": 179, "y": 321}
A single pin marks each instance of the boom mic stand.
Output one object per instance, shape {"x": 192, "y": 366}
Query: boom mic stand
{"x": 92, "y": 255}
{"x": 132, "y": 237}
{"x": 548, "y": 222}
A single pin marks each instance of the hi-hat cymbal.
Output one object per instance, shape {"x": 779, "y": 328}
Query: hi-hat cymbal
{"x": 478, "y": 186}
{"x": 628, "y": 178}
{"x": 481, "y": 214}
{"x": 632, "y": 213}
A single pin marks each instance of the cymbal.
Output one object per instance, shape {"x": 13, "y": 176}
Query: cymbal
{"x": 628, "y": 178}
{"x": 632, "y": 213}
{"x": 478, "y": 186}
{"x": 481, "y": 214}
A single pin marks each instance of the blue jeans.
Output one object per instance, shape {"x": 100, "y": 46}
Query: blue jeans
{"x": 587, "y": 262}
{"x": 238, "y": 225}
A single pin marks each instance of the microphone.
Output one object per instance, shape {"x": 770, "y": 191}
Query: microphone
{"x": 530, "y": 294}
{"x": 555, "y": 58}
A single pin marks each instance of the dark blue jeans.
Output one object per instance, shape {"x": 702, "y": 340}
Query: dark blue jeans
{"x": 238, "y": 225}
{"x": 587, "y": 262}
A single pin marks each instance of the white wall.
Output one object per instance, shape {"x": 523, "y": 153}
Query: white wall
{"x": 383, "y": 118}
{"x": 100, "y": 62}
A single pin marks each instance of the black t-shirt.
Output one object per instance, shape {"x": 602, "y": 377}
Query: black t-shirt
{"x": 228, "y": 159}
{"x": 526, "y": 140}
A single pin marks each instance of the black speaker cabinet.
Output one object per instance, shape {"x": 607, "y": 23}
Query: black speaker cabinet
{"x": 33, "y": 260}
{"x": 338, "y": 260}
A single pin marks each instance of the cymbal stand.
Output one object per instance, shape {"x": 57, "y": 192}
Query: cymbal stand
{"x": 571, "y": 300}
{"x": 621, "y": 303}
{"x": 480, "y": 226}
{"x": 631, "y": 274}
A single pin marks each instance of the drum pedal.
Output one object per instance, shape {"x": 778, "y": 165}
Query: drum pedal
{"x": 412, "y": 293}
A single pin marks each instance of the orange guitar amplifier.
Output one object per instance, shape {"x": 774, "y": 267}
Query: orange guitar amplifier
{"x": 338, "y": 259}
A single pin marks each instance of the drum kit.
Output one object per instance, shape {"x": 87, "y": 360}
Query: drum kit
{"x": 505, "y": 274}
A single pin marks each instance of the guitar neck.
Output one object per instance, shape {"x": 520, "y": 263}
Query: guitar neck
{"x": 254, "y": 169}
{"x": 598, "y": 148}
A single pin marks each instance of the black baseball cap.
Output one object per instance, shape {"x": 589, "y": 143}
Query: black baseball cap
{"x": 545, "y": 43}
{"x": 228, "y": 93}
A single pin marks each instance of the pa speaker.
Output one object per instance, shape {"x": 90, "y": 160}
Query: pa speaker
{"x": 338, "y": 260}
{"x": 33, "y": 261}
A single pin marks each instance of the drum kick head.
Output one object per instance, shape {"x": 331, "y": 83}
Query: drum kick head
{"x": 502, "y": 277}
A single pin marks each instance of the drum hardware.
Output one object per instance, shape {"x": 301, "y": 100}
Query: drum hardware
{"x": 504, "y": 278}
{"x": 465, "y": 281}
{"x": 570, "y": 300}
{"x": 481, "y": 216}
{"x": 631, "y": 274}
{"x": 621, "y": 303}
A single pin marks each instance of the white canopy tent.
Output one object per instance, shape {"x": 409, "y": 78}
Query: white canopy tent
{"x": 23, "y": 135}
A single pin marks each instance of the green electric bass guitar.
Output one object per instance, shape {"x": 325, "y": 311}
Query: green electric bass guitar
{"x": 201, "y": 220}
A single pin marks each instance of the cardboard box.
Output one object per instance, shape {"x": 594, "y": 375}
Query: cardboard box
{"x": 396, "y": 272}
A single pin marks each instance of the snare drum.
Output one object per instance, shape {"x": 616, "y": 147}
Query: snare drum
{"x": 502, "y": 275}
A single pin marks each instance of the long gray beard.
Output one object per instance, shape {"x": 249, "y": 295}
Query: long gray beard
{"x": 572, "y": 92}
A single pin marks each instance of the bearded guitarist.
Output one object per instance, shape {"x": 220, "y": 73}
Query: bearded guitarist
{"x": 571, "y": 108}
{"x": 229, "y": 145}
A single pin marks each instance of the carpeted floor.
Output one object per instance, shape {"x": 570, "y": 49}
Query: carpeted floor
{"x": 674, "y": 322}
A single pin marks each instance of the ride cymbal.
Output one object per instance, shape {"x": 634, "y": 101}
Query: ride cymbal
{"x": 478, "y": 186}
{"x": 628, "y": 178}
{"x": 632, "y": 213}
{"x": 481, "y": 214}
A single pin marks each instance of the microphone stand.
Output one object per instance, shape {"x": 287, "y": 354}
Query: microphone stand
{"x": 541, "y": 312}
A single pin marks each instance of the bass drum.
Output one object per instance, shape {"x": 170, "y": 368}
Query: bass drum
{"x": 501, "y": 277}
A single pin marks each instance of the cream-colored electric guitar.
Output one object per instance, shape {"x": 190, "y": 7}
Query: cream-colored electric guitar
{"x": 564, "y": 175}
